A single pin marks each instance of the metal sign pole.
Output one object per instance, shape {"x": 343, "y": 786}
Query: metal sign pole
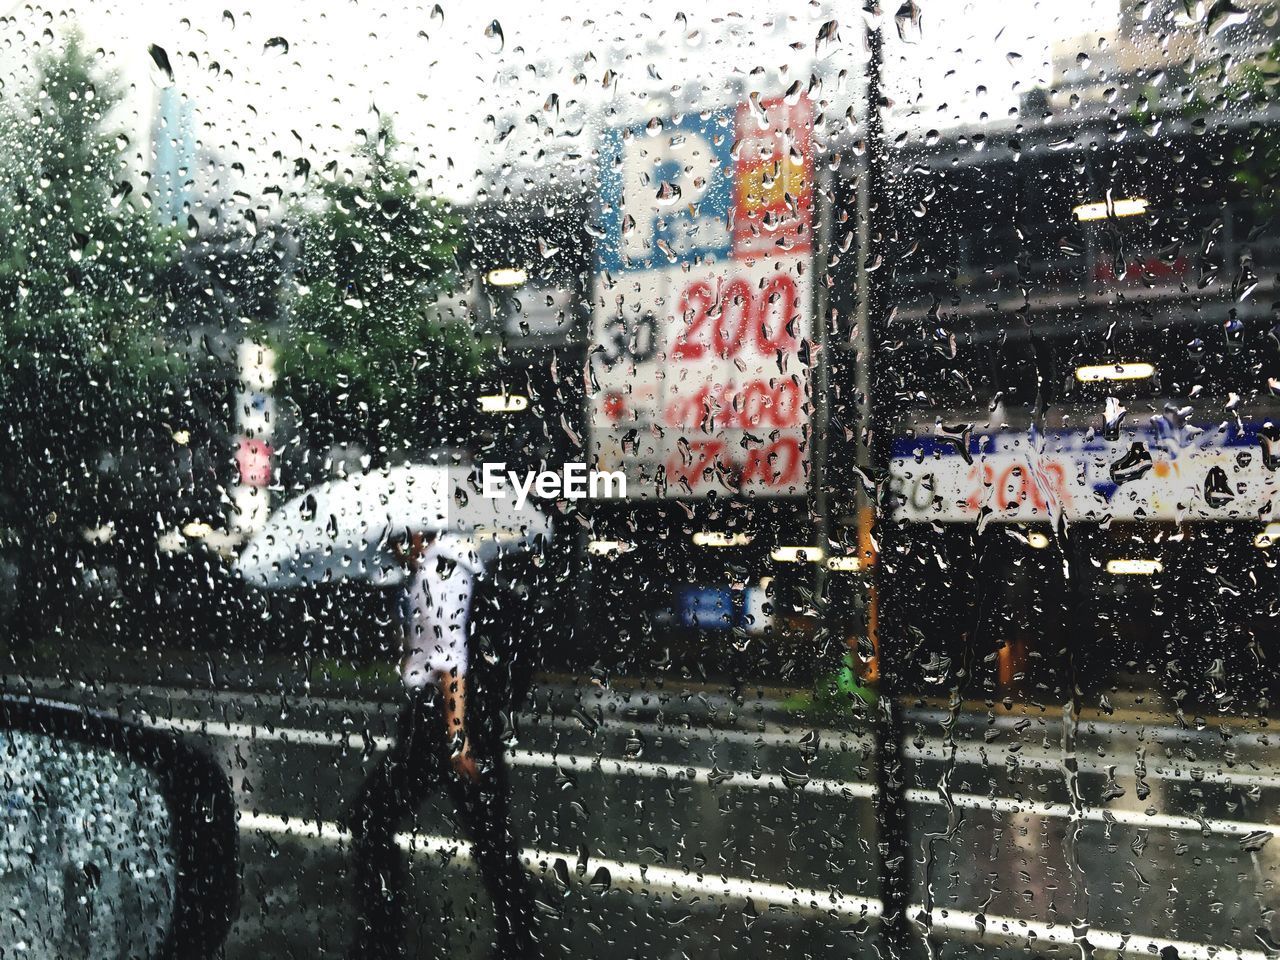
{"x": 879, "y": 403}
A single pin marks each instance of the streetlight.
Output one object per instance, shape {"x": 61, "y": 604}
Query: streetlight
{"x": 504, "y": 403}
{"x": 506, "y": 276}
{"x": 714, "y": 538}
{"x": 802, "y": 554}
{"x": 844, "y": 564}
{"x": 1102, "y": 209}
{"x": 1094, "y": 373}
{"x": 1132, "y": 568}
{"x": 1268, "y": 537}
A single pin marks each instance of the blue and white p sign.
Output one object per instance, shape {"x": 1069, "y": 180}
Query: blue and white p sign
{"x": 665, "y": 196}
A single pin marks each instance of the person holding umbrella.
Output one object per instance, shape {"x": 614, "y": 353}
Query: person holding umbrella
{"x": 402, "y": 526}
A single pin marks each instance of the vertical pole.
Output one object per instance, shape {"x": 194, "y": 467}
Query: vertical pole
{"x": 880, "y": 401}
{"x": 255, "y": 409}
{"x": 824, "y": 199}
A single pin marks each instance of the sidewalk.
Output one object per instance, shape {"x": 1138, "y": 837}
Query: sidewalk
{"x": 297, "y": 677}
{"x": 300, "y": 677}
{"x": 275, "y": 673}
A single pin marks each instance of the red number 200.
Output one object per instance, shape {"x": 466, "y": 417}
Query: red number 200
{"x": 738, "y": 316}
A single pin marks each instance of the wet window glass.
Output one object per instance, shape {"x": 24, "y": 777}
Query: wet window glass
{"x": 720, "y": 481}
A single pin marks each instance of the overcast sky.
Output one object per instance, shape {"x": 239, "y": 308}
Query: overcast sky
{"x": 440, "y": 72}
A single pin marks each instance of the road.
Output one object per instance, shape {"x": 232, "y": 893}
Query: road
{"x": 663, "y": 826}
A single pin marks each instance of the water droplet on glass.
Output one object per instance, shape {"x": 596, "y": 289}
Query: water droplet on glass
{"x": 1224, "y": 14}
{"x": 1112, "y": 419}
{"x": 1132, "y": 466}
{"x": 668, "y": 194}
{"x": 907, "y": 20}
{"x": 494, "y": 32}
{"x": 1217, "y": 488}
{"x": 162, "y": 69}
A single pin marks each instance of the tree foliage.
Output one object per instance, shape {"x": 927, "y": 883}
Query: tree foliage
{"x": 82, "y": 271}
{"x": 364, "y": 353}
{"x": 1257, "y": 165}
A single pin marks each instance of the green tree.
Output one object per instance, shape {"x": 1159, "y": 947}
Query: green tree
{"x": 81, "y": 319}
{"x": 364, "y": 353}
{"x": 1254, "y": 92}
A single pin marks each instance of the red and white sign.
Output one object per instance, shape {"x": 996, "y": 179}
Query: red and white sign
{"x": 1214, "y": 472}
{"x": 253, "y": 460}
{"x": 719, "y": 400}
{"x": 773, "y": 179}
{"x": 696, "y": 381}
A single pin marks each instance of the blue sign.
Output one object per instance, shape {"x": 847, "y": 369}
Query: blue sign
{"x": 706, "y": 608}
{"x": 665, "y": 197}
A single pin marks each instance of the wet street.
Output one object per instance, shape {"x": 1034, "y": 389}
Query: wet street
{"x": 666, "y": 825}
{"x": 730, "y": 365}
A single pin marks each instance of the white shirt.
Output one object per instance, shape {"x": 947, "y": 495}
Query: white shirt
{"x": 437, "y": 611}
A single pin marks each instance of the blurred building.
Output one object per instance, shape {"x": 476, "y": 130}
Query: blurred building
{"x": 1107, "y": 224}
{"x": 1081, "y": 312}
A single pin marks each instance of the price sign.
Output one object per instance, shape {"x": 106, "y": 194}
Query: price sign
{"x": 702, "y": 304}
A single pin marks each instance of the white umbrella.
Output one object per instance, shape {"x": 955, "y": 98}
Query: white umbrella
{"x": 343, "y": 529}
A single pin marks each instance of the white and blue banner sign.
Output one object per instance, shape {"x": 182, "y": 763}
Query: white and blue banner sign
{"x": 1154, "y": 471}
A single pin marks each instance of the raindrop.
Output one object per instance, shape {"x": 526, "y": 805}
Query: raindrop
{"x": 668, "y": 194}
{"x": 278, "y": 44}
{"x": 958, "y": 437}
{"x": 907, "y": 20}
{"x": 1233, "y": 331}
{"x": 1255, "y": 841}
{"x": 78, "y": 242}
{"x": 1224, "y": 14}
{"x": 1269, "y": 440}
{"x": 1133, "y": 465}
{"x": 795, "y": 779}
{"x": 1217, "y": 488}
{"x": 601, "y": 880}
{"x": 560, "y": 871}
{"x": 1246, "y": 281}
{"x": 160, "y": 60}
{"x": 1112, "y": 419}
{"x": 828, "y": 33}
{"x": 494, "y": 32}
{"x": 1263, "y": 935}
